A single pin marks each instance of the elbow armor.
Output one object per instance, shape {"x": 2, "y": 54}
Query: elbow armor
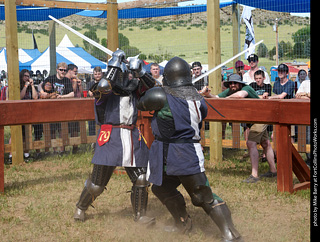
{"x": 153, "y": 99}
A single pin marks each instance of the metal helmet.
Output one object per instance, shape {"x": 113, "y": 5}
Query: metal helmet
{"x": 177, "y": 73}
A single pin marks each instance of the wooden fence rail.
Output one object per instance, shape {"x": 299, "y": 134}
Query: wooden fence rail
{"x": 282, "y": 113}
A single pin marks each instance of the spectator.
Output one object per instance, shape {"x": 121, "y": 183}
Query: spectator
{"x": 197, "y": 71}
{"x": 74, "y": 127}
{"x": 97, "y": 76}
{"x": 27, "y": 88}
{"x": 60, "y": 82}
{"x": 72, "y": 73}
{"x": 258, "y": 132}
{"x": 239, "y": 65}
{"x": 302, "y": 76}
{"x": 48, "y": 88}
{"x": 248, "y": 77}
{"x": 304, "y": 90}
{"x": 236, "y": 88}
{"x": 283, "y": 87}
{"x": 62, "y": 86}
{"x": 263, "y": 90}
{"x": 27, "y": 92}
{"x": 155, "y": 72}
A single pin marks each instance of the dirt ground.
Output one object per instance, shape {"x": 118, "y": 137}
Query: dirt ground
{"x": 40, "y": 198}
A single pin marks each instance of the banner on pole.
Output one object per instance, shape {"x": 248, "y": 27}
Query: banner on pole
{"x": 250, "y": 39}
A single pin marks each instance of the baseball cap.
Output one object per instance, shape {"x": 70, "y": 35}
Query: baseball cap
{"x": 253, "y": 57}
{"x": 239, "y": 63}
{"x": 196, "y": 63}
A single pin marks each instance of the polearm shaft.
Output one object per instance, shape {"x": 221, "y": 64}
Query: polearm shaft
{"x": 222, "y": 64}
{"x": 104, "y": 49}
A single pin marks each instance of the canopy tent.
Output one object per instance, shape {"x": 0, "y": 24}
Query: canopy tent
{"x": 41, "y": 13}
{"x": 25, "y": 55}
{"x": 69, "y": 55}
{"x": 65, "y": 42}
{"x": 65, "y": 52}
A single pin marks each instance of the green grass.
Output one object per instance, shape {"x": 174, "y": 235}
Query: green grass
{"x": 40, "y": 199}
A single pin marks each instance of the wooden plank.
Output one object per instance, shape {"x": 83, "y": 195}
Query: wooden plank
{"x": 284, "y": 159}
{"x": 64, "y": 133}
{"x": 93, "y": 6}
{"x": 301, "y": 186}
{"x": 239, "y": 110}
{"x": 15, "y": 112}
{"x": 83, "y": 132}
{"x": 302, "y": 138}
{"x": 236, "y": 135}
{"x": 294, "y": 114}
{"x": 147, "y": 3}
{"x": 299, "y": 167}
{"x": 47, "y": 135}
{"x": 61, "y": 4}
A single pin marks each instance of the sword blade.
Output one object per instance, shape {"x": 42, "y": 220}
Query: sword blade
{"x": 222, "y": 64}
{"x": 101, "y": 47}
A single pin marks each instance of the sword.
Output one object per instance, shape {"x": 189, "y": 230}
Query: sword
{"x": 222, "y": 64}
{"x": 101, "y": 47}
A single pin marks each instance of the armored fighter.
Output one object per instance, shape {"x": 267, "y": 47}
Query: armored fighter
{"x": 119, "y": 142}
{"x": 176, "y": 156}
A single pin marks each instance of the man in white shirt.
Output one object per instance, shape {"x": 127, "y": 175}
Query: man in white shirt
{"x": 248, "y": 77}
{"x": 155, "y": 72}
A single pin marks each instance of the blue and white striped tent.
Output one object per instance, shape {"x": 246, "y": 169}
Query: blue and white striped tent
{"x": 69, "y": 55}
{"x": 65, "y": 52}
{"x": 25, "y": 55}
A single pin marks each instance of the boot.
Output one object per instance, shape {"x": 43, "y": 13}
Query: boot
{"x": 177, "y": 207}
{"x": 221, "y": 215}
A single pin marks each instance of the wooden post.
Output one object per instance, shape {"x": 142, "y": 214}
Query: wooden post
{"x": 214, "y": 59}
{"x": 13, "y": 76}
{"x": 52, "y": 44}
{"x": 112, "y": 25}
{"x": 284, "y": 157}
{"x": 235, "y": 32}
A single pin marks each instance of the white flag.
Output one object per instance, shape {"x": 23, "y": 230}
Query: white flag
{"x": 249, "y": 41}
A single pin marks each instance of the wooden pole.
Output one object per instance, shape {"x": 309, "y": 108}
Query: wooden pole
{"x": 235, "y": 32}
{"x": 112, "y": 25}
{"x": 52, "y": 45}
{"x": 277, "y": 43}
{"x": 13, "y": 76}
{"x": 214, "y": 59}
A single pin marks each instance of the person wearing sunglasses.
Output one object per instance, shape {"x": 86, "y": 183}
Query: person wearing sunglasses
{"x": 62, "y": 84}
{"x": 248, "y": 77}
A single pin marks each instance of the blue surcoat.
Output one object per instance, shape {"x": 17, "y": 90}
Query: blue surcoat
{"x": 125, "y": 147}
{"x": 184, "y": 158}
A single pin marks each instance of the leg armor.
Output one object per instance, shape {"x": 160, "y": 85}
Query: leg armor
{"x": 139, "y": 194}
{"x": 94, "y": 186}
{"x": 202, "y": 196}
{"x": 175, "y": 203}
